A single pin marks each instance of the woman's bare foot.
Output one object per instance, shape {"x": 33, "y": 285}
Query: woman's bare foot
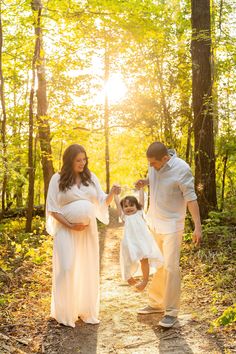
{"x": 142, "y": 285}
{"x": 131, "y": 281}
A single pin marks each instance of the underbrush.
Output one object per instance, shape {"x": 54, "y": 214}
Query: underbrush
{"x": 208, "y": 277}
{"x": 209, "y": 273}
{"x": 25, "y": 266}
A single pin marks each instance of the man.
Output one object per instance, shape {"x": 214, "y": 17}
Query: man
{"x": 171, "y": 191}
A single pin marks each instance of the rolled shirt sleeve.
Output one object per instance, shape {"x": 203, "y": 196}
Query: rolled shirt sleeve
{"x": 186, "y": 185}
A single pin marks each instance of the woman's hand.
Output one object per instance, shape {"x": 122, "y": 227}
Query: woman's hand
{"x": 78, "y": 227}
{"x": 72, "y": 226}
{"x": 115, "y": 189}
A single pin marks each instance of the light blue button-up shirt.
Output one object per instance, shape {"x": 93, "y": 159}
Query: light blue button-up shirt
{"x": 171, "y": 188}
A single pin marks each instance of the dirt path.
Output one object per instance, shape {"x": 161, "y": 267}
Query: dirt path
{"x": 121, "y": 330}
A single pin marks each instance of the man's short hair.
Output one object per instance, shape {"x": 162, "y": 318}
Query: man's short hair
{"x": 157, "y": 150}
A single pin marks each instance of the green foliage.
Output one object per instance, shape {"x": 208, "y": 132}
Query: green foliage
{"x": 209, "y": 271}
{"x": 219, "y": 222}
{"x": 149, "y": 49}
{"x": 228, "y": 317}
{"x": 18, "y": 246}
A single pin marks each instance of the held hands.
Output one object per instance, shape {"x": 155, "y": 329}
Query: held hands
{"x": 141, "y": 183}
{"x": 116, "y": 189}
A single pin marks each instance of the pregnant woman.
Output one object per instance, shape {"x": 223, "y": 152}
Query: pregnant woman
{"x": 75, "y": 199}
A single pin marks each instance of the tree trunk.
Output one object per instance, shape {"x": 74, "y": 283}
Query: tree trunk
{"x": 168, "y": 134}
{"x": 3, "y": 123}
{"x": 31, "y": 171}
{"x": 19, "y": 184}
{"x": 225, "y": 160}
{"x": 215, "y": 95}
{"x": 106, "y": 119}
{"x": 42, "y": 104}
{"x": 188, "y": 147}
{"x": 31, "y": 146}
{"x": 202, "y": 106}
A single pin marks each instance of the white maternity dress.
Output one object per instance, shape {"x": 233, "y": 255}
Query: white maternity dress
{"x": 75, "y": 283}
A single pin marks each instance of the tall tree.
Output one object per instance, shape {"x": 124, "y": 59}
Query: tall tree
{"x": 202, "y": 106}
{"x": 3, "y": 120}
{"x": 31, "y": 170}
{"x": 42, "y": 103}
{"x": 106, "y": 115}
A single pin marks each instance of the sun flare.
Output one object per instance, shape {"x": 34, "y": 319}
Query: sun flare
{"x": 115, "y": 89}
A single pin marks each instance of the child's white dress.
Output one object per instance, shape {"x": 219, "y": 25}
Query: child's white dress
{"x": 137, "y": 243}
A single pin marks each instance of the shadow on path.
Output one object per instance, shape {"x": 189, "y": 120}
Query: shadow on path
{"x": 171, "y": 340}
{"x": 66, "y": 340}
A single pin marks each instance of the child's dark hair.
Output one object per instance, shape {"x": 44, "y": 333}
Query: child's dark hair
{"x": 132, "y": 200}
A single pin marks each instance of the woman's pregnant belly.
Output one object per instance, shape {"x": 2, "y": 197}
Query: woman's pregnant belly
{"x": 79, "y": 212}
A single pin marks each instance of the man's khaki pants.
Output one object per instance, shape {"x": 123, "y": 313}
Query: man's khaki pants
{"x": 164, "y": 290}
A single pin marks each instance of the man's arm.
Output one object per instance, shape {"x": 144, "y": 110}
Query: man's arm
{"x": 194, "y": 211}
{"x": 186, "y": 185}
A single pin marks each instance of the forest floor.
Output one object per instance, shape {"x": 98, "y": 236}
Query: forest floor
{"x": 26, "y": 327}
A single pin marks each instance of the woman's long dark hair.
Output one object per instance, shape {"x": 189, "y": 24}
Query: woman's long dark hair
{"x": 67, "y": 176}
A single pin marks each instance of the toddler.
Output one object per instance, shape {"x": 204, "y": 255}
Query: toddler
{"x": 138, "y": 245}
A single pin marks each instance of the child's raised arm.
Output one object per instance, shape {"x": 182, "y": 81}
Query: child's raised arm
{"x": 141, "y": 197}
{"x": 117, "y": 201}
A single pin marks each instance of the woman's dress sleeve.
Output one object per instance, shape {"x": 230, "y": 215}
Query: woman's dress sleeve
{"x": 52, "y": 224}
{"x": 102, "y": 213}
